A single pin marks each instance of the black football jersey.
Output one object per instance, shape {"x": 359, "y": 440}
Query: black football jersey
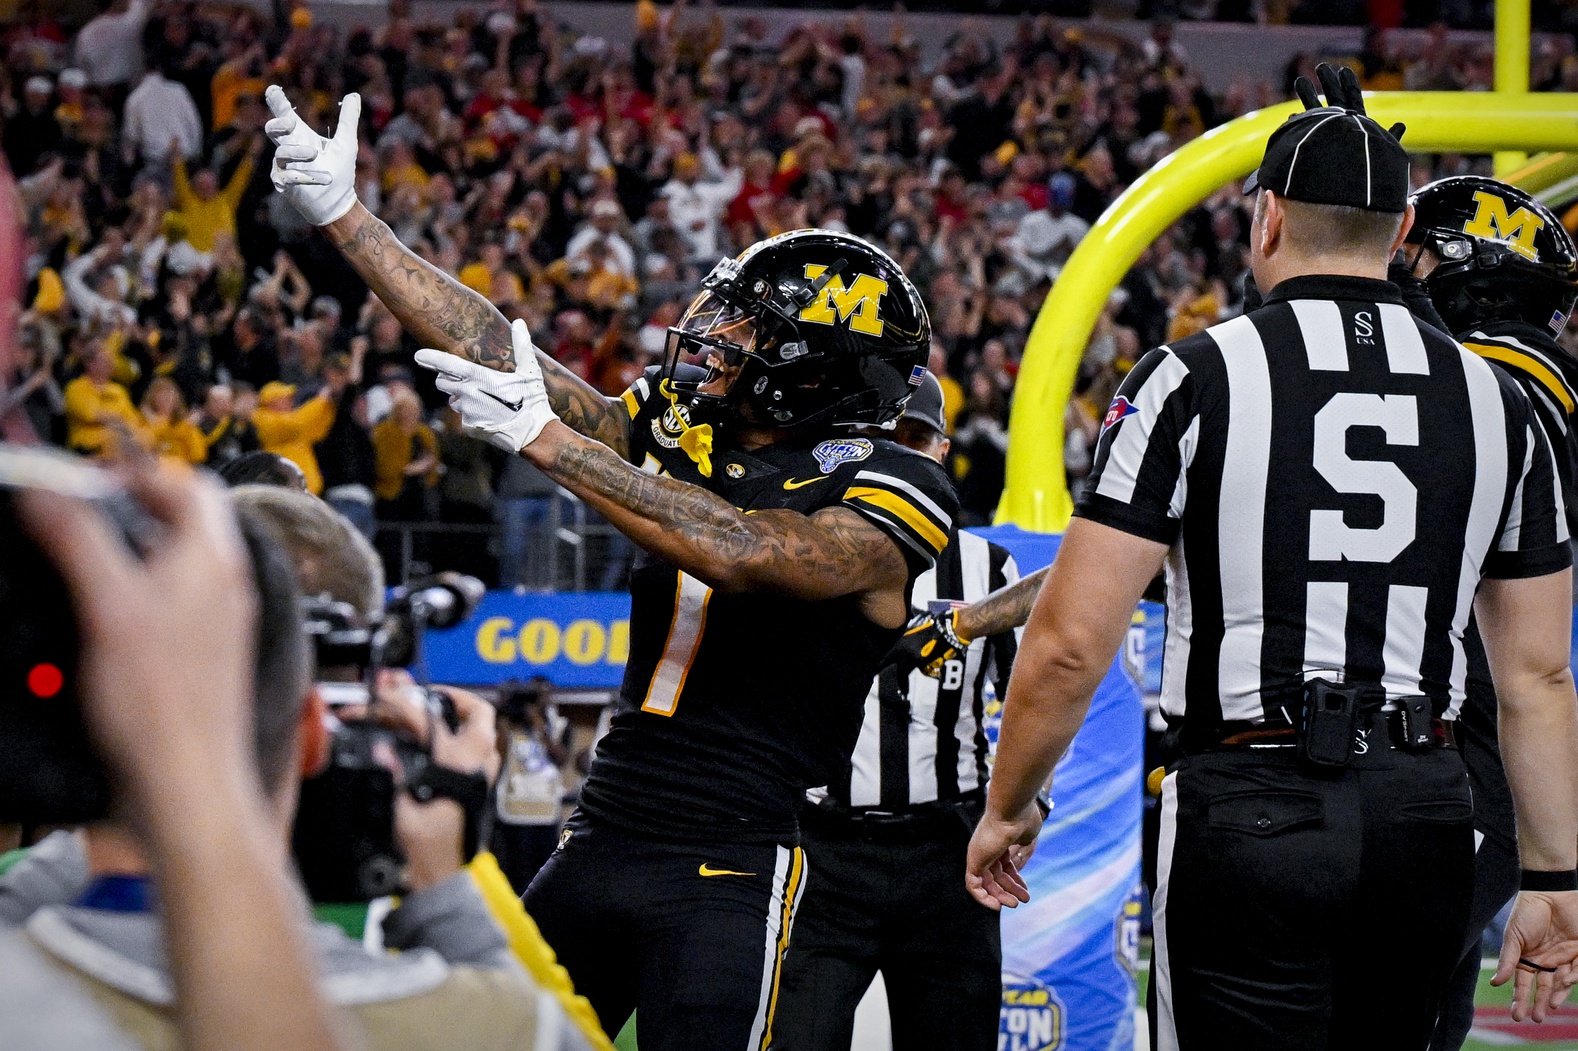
{"x": 734, "y": 704}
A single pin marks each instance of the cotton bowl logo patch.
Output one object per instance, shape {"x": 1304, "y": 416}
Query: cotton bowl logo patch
{"x": 1031, "y": 1017}
{"x": 1120, "y": 408}
{"x": 836, "y": 451}
{"x": 667, "y": 428}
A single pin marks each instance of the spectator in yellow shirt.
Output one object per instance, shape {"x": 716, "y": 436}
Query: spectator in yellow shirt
{"x": 292, "y": 432}
{"x": 405, "y": 452}
{"x": 405, "y": 471}
{"x": 170, "y": 431}
{"x": 492, "y": 277}
{"x": 207, "y": 210}
{"x": 98, "y": 409}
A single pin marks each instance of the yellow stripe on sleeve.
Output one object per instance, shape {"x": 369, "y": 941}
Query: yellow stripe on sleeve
{"x": 632, "y": 406}
{"x": 1533, "y": 366}
{"x": 903, "y": 510}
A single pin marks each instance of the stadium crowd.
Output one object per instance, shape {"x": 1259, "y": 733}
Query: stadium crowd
{"x": 176, "y": 301}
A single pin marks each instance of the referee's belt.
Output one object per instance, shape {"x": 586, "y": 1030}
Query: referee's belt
{"x": 921, "y": 817}
{"x": 1275, "y": 733}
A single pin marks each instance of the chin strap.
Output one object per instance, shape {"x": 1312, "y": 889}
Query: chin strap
{"x": 695, "y": 442}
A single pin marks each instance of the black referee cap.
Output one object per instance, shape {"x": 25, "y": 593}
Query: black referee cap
{"x": 1334, "y": 153}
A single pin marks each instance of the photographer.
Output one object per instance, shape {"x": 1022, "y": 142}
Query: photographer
{"x": 176, "y": 737}
{"x": 468, "y": 988}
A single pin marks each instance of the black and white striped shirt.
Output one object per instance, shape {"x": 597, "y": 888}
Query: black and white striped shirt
{"x": 921, "y": 739}
{"x": 1334, "y": 478}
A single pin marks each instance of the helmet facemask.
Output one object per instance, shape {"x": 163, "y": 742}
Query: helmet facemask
{"x": 807, "y": 329}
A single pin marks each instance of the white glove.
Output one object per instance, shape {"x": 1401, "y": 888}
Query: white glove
{"x": 315, "y": 174}
{"x": 504, "y": 409}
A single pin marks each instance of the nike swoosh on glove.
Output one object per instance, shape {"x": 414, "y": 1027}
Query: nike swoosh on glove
{"x": 315, "y": 174}
{"x": 507, "y": 410}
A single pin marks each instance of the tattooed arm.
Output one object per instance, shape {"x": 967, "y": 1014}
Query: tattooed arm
{"x": 441, "y": 312}
{"x": 824, "y": 555}
{"x": 1003, "y": 610}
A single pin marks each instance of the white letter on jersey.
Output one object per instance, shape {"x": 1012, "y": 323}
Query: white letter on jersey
{"x": 1332, "y": 539}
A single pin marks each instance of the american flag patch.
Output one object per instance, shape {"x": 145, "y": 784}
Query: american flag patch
{"x": 917, "y": 375}
{"x": 1558, "y": 322}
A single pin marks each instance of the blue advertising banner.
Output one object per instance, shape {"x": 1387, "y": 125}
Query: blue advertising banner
{"x": 1069, "y": 956}
{"x": 575, "y": 640}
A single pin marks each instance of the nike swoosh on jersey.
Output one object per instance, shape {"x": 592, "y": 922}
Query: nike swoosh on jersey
{"x": 792, "y": 484}
{"x": 512, "y": 406}
{"x": 708, "y": 870}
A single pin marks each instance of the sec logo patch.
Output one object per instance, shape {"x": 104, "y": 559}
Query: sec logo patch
{"x": 667, "y": 428}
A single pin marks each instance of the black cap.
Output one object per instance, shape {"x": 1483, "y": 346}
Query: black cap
{"x": 1331, "y": 156}
{"x": 1333, "y": 153}
{"x": 925, "y": 405}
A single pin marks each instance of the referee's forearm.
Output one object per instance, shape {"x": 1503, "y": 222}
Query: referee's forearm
{"x": 1539, "y": 744}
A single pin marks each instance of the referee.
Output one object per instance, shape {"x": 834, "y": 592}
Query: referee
{"x": 1333, "y": 486}
{"x": 887, "y": 845}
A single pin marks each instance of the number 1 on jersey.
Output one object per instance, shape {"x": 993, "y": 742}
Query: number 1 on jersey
{"x": 679, "y": 650}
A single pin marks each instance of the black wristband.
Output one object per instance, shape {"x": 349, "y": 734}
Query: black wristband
{"x": 1534, "y": 879}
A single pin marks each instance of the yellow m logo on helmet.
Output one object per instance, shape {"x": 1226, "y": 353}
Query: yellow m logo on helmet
{"x": 858, "y": 305}
{"x": 1516, "y": 230}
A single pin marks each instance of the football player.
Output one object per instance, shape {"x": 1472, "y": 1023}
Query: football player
{"x": 1494, "y": 267}
{"x": 764, "y": 519}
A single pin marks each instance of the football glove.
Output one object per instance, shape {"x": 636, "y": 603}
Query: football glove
{"x": 928, "y": 640}
{"x": 315, "y": 174}
{"x": 1341, "y": 87}
{"x": 508, "y": 410}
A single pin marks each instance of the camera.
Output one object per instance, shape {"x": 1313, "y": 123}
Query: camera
{"x": 344, "y": 838}
{"x": 49, "y": 770}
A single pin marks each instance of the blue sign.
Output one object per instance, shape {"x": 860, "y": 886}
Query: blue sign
{"x": 575, "y": 640}
{"x": 1070, "y": 955}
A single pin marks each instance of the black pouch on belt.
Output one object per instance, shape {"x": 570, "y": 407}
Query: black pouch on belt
{"x": 1331, "y": 721}
{"x": 1412, "y": 725}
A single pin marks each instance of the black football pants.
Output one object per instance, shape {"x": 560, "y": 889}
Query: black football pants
{"x": 1297, "y": 911}
{"x": 891, "y": 899}
{"x": 690, "y": 936}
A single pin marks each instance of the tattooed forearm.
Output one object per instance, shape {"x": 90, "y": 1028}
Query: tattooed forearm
{"x": 434, "y": 307}
{"x": 441, "y": 312}
{"x": 1003, "y": 610}
{"x": 583, "y": 409}
{"x": 835, "y": 552}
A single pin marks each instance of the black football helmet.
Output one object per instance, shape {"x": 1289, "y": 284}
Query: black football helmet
{"x": 1503, "y": 255}
{"x": 825, "y": 329}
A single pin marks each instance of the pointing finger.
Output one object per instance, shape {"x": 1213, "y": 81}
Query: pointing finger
{"x": 350, "y": 113}
{"x": 1306, "y": 93}
{"x": 278, "y": 104}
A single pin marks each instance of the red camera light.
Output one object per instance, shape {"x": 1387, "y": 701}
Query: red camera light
{"x": 45, "y": 680}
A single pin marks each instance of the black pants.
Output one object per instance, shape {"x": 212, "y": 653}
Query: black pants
{"x": 1304, "y": 911}
{"x": 1496, "y": 874}
{"x": 691, "y": 936}
{"x": 891, "y": 900}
